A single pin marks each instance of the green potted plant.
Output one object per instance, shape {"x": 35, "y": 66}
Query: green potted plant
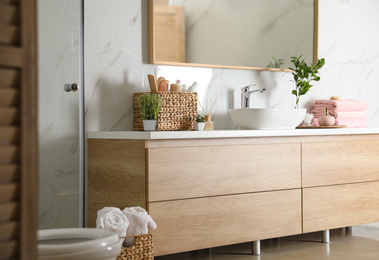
{"x": 304, "y": 75}
{"x": 149, "y": 106}
{"x": 199, "y": 124}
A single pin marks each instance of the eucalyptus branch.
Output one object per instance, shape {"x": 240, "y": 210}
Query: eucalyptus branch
{"x": 304, "y": 75}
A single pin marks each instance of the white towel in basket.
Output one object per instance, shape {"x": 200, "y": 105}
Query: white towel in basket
{"x": 140, "y": 223}
{"x": 111, "y": 218}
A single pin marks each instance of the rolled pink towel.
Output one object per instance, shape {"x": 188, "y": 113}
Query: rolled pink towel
{"x": 341, "y": 105}
{"x": 317, "y": 112}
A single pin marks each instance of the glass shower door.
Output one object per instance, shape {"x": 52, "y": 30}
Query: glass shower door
{"x": 60, "y": 114}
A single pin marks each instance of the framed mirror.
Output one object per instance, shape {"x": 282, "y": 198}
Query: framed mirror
{"x": 234, "y": 34}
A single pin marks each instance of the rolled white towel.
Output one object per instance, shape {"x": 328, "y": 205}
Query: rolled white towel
{"x": 140, "y": 223}
{"x": 111, "y": 218}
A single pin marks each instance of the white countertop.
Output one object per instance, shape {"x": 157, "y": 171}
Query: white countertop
{"x": 156, "y": 135}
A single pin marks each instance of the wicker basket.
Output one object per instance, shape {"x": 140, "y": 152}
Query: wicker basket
{"x": 178, "y": 111}
{"x": 141, "y": 250}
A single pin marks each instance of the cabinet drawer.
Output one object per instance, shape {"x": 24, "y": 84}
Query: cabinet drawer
{"x": 185, "y": 225}
{"x": 340, "y": 206}
{"x": 340, "y": 162}
{"x": 187, "y": 172}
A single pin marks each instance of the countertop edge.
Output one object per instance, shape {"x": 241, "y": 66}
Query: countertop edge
{"x": 157, "y": 135}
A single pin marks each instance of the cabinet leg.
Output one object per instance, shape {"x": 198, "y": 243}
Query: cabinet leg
{"x": 256, "y": 247}
{"x": 348, "y": 230}
{"x": 325, "y": 236}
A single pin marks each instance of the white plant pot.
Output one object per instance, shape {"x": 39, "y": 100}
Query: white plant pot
{"x": 149, "y": 125}
{"x": 199, "y": 126}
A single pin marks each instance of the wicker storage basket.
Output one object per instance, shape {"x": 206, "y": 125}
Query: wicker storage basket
{"x": 178, "y": 111}
{"x": 141, "y": 250}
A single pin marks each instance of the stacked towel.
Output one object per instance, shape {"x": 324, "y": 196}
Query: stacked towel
{"x": 132, "y": 221}
{"x": 349, "y": 112}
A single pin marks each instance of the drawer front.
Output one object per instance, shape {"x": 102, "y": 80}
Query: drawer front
{"x": 340, "y": 162}
{"x": 340, "y": 206}
{"x": 185, "y": 225}
{"x": 187, "y": 172}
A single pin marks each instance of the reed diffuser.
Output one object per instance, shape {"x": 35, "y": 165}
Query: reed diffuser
{"x": 207, "y": 114}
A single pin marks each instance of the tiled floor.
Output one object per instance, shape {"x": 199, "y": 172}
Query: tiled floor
{"x": 360, "y": 243}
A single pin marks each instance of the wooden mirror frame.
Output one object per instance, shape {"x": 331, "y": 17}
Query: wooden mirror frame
{"x": 152, "y": 59}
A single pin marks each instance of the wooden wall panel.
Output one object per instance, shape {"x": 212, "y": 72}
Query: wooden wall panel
{"x": 18, "y": 130}
{"x": 9, "y": 34}
{"x": 9, "y": 14}
{"x": 9, "y": 154}
{"x": 9, "y": 230}
{"x": 9, "y": 173}
{"x": 9, "y": 97}
{"x": 9, "y": 249}
{"x": 9, "y": 135}
{"x": 9, "y": 211}
{"x": 9, "y": 77}
{"x": 11, "y": 56}
{"x": 9, "y": 116}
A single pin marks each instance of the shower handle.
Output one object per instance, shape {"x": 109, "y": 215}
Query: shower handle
{"x": 71, "y": 87}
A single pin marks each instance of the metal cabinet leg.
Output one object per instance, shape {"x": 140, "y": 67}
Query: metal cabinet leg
{"x": 325, "y": 236}
{"x": 256, "y": 247}
{"x": 348, "y": 230}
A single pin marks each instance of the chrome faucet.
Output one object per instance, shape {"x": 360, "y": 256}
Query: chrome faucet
{"x": 245, "y": 95}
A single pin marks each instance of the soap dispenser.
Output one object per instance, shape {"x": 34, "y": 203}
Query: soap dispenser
{"x": 326, "y": 120}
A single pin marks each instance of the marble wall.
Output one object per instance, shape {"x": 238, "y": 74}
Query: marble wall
{"x": 116, "y": 64}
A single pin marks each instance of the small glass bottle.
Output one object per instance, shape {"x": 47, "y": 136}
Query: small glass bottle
{"x": 208, "y": 123}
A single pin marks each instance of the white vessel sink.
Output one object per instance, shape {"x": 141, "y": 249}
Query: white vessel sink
{"x": 267, "y": 118}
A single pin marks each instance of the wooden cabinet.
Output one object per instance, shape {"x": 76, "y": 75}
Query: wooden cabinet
{"x": 340, "y": 161}
{"x": 201, "y": 193}
{"x": 337, "y": 206}
{"x": 221, "y": 220}
{"x": 191, "y": 172}
{"x": 340, "y": 183}
{"x": 211, "y": 192}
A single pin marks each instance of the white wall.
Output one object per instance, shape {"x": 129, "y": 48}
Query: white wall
{"x": 116, "y": 53}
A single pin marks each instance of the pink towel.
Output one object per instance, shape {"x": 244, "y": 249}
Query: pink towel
{"x": 317, "y": 112}
{"x": 349, "y": 122}
{"x": 341, "y": 105}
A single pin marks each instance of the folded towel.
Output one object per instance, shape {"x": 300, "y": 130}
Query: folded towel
{"x": 349, "y": 122}
{"x": 341, "y": 105}
{"x": 111, "y": 218}
{"x": 317, "y": 112}
{"x": 139, "y": 223}
{"x": 353, "y": 123}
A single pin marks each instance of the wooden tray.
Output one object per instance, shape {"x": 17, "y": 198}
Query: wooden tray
{"x": 314, "y": 127}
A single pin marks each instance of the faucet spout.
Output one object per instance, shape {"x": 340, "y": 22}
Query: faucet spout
{"x": 245, "y": 95}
